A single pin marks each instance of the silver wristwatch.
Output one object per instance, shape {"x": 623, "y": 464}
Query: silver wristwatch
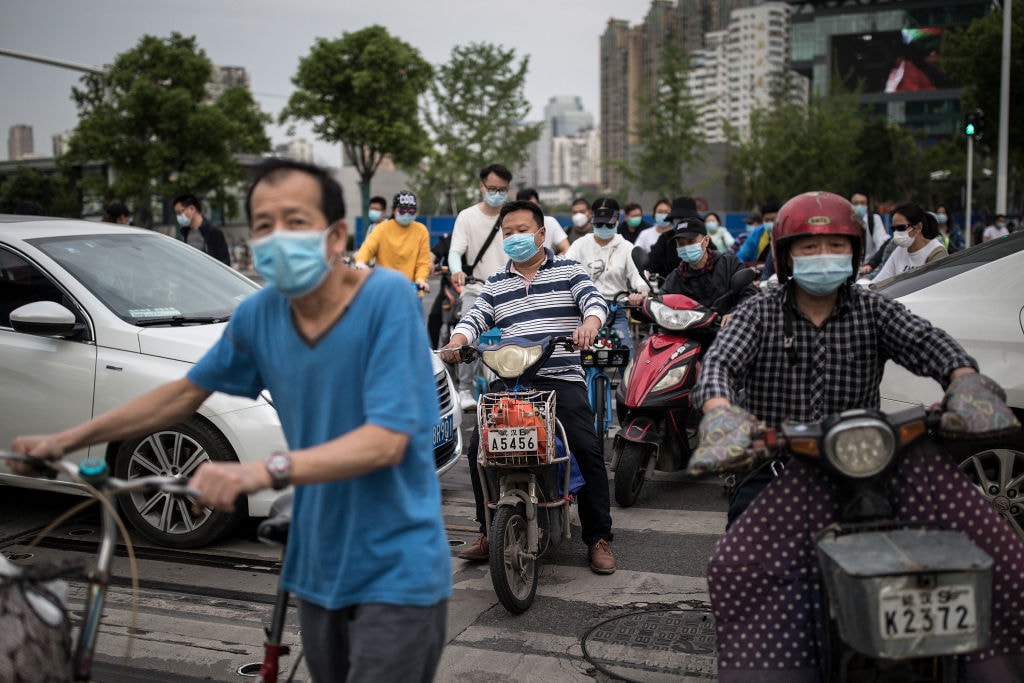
{"x": 279, "y": 464}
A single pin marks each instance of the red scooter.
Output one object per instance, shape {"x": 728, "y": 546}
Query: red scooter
{"x": 658, "y": 422}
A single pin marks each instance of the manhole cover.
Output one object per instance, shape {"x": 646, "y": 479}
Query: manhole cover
{"x": 655, "y": 646}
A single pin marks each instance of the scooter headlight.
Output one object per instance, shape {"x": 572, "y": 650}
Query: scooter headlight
{"x": 861, "y": 447}
{"x": 673, "y": 377}
{"x": 512, "y": 361}
{"x": 673, "y": 318}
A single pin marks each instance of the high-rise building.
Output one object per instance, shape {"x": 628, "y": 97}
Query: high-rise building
{"x": 60, "y": 143}
{"x": 888, "y": 50}
{"x": 564, "y": 117}
{"x": 734, "y": 74}
{"x": 631, "y": 60}
{"x": 224, "y": 77}
{"x": 19, "y": 142}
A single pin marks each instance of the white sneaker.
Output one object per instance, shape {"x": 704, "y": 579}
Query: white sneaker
{"x": 466, "y": 400}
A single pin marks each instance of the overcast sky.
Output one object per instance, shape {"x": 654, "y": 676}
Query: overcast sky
{"x": 268, "y": 37}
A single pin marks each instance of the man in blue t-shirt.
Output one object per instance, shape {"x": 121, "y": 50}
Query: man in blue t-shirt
{"x": 346, "y": 358}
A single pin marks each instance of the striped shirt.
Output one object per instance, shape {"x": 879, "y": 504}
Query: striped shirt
{"x": 560, "y": 296}
{"x": 832, "y": 368}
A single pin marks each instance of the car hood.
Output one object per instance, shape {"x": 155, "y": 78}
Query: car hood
{"x": 187, "y": 343}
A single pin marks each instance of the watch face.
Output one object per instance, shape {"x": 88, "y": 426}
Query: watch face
{"x": 279, "y": 464}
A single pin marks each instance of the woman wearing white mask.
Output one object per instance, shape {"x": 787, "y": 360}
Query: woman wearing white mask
{"x": 914, "y": 233}
{"x": 717, "y": 233}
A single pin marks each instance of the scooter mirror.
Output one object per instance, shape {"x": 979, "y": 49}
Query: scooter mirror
{"x": 640, "y": 259}
{"x": 742, "y": 278}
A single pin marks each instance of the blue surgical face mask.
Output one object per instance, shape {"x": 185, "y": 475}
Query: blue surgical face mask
{"x": 183, "y": 220}
{"x": 520, "y": 247}
{"x": 661, "y": 219}
{"x": 605, "y": 232}
{"x": 768, "y": 225}
{"x": 691, "y": 253}
{"x": 495, "y": 199}
{"x": 861, "y": 209}
{"x": 404, "y": 219}
{"x": 292, "y": 261}
{"x": 374, "y": 215}
{"x": 941, "y": 218}
{"x": 822, "y": 274}
{"x": 712, "y": 226}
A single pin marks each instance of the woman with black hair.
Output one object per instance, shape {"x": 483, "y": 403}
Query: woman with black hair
{"x": 914, "y": 232}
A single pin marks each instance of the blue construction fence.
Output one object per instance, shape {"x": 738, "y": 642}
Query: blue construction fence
{"x": 442, "y": 225}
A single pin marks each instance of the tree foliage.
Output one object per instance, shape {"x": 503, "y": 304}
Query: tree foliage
{"x": 55, "y": 193}
{"x": 668, "y": 137}
{"x": 361, "y": 90}
{"x": 149, "y": 116}
{"x": 973, "y": 57}
{"x": 475, "y": 117}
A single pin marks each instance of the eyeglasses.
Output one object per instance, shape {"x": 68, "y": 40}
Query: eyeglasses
{"x": 492, "y": 188}
{"x": 411, "y": 211}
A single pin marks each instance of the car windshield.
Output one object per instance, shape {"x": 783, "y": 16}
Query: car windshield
{"x": 951, "y": 266}
{"x": 148, "y": 279}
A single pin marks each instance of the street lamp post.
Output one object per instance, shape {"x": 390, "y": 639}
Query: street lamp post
{"x": 968, "y": 231}
{"x": 1004, "y": 111}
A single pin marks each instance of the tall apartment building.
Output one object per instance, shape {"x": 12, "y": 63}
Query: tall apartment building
{"x": 576, "y": 160}
{"x": 733, "y": 75}
{"x": 224, "y": 77}
{"x": 19, "y": 142}
{"x": 60, "y": 143}
{"x": 630, "y": 61}
{"x": 564, "y": 117}
{"x": 299, "y": 150}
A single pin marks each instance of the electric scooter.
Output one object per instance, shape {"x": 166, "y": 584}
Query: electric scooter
{"x": 659, "y": 426}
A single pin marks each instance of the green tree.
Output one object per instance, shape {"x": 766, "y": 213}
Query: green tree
{"x": 973, "y": 57}
{"x": 361, "y": 90}
{"x": 793, "y": 147}
{"x": 667, "y": 136}
{"x": 150, "y": 117}
{"x": 54, "y": 192}
{"x": 475, "y": 117}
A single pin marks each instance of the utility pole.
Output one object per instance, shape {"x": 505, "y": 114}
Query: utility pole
{"x": 968, "y": 230}
{"x": 1004, "y": 112}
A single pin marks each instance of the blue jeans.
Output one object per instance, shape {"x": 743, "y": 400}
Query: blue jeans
{"x": 373, "y": 643}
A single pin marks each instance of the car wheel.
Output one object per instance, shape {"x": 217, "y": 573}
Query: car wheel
{"x": 178, "y": 452}
{"x": 998, "y": 472}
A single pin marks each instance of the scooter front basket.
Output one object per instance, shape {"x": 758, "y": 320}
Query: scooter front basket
{"x": 908, "y": 592}
{"x": 517, "y": 428}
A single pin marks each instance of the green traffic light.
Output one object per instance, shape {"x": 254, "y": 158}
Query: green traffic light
{"x": 969, "y": 129}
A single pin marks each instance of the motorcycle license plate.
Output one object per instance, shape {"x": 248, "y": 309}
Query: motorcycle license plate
{"x": 511, "y": 439}
{"x": 940, "y": 611}
{"x": 443, "y": 430}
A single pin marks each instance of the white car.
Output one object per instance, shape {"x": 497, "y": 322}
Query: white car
{"x": 977, "y": 296}
{"x": 92, "y": 315}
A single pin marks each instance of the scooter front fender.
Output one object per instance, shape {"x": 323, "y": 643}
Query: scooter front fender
{"x": 640, "y": 429}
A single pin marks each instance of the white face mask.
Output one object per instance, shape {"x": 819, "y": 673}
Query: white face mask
{"x": 580, "y": 219}
{"x": 902, "y": 238}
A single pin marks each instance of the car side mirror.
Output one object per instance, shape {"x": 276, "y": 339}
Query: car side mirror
{"x": 45, "y": 319}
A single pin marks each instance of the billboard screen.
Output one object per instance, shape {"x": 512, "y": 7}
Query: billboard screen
{"x": 890, "y": 61}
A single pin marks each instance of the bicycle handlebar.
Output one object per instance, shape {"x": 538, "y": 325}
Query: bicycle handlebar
{"x": 172, "y": 485}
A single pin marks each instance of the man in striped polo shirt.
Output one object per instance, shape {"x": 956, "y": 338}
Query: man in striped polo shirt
{"x": 538, "y": 296}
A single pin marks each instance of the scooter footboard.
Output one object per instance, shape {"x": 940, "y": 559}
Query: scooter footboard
{"x": 908, "y": 592}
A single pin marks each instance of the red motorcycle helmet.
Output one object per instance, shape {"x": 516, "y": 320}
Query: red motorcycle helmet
{"x": 815, "y": 213}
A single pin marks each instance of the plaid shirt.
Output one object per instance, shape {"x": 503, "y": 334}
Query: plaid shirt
{"x": 831, "y": 368}
{"x": 557, "y": 300}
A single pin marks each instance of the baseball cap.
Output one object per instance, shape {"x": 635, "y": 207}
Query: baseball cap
{"x": 606, "y": 210}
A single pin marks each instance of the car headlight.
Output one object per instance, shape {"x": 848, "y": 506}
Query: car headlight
{"x": 512, "y": 361}
{"x": 672, "y": 377}
{"x": 673, "y": 318}
{"x": 860, "y": 447}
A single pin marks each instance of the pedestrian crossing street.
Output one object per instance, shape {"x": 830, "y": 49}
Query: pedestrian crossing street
{"x": 630, "y": 625}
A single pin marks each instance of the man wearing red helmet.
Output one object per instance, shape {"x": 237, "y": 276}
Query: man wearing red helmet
{"x": 815, "y": 346}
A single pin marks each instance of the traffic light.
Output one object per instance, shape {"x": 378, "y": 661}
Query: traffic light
{"x": 974, "y": 126}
